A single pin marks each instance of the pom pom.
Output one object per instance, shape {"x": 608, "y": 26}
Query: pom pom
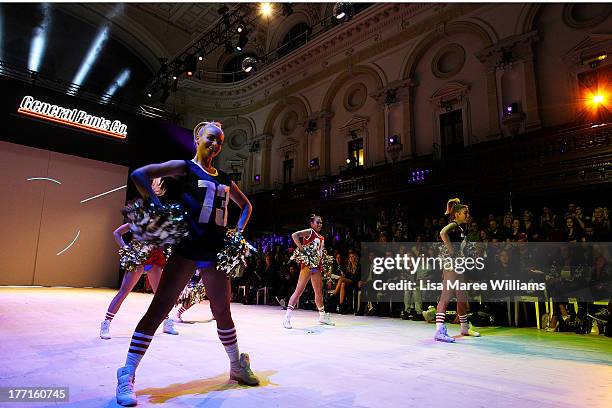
{"x": 308, "y": 255}
{"x": 234, "y": 253}
{"x": 134, "y": 254}
{"x": 157, "y": 225}
{"x": 192, "y": 294}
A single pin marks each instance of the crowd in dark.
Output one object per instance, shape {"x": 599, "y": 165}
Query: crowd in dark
{"x": 345, "y": 287}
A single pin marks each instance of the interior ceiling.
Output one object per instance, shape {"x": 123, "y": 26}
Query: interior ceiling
{"x": 140, "y": 34}
{"x": 191, "y": 18}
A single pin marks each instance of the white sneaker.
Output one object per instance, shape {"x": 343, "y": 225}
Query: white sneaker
{"x": 169, "y": 327}
{"x": 104, "y": 330}
{"x": 287, "y": 322}
{"x": 326, "y": 319}
{"x": 125, "y": 387}
{"x": 469, "y": 331}
{"x": 244, "y": 375}
{"x": 442, "y": 335}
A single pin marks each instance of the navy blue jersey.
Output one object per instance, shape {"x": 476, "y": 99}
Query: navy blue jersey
{"x": 457, "y": 234}
{"x": 205, "y": 198}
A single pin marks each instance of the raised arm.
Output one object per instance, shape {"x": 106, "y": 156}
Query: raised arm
{"x": 118, "y": 234}
{"x": 142, "y": 176}
{"x": 243, "y": 202}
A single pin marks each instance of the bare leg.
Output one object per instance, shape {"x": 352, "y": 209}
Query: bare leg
{"x": 317, "y": 286}
{"x": 301, "y": 285}
{"x": 127, "y": 284}
{"x": 154, "y": 275}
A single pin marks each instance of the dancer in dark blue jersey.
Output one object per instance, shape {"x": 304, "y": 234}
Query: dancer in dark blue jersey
{"x": 205, "y": 193}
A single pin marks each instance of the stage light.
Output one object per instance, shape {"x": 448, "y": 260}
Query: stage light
{"x": 90, "y": 59}
{"x": 314, "y": 162}
{"x": 174, "y": 77}
{"x": 149, "y": 94}
{"x": 121, "y": 79}
{"x": 343, "y": 11}
{"x": 598, "y": 99}
{"x": 257, "y": 178}
{"x": 393, "y": 140}
{"x": 103, "y": 194}
{"x": 39, "y": 41}
{"x": 200, "y": 58}
{"x": 348, "y": 160}
{"x": 240, "y": 28}
{"x": 70, "y": 244}
{"x": 266, "y": 9}
{"x": 249, "y": 64}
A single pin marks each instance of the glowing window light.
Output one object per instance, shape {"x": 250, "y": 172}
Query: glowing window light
{"x": 71, "y": 244}
{"x": 121, "y": 79}
{"x": 265, "y": 9}
{"x": 39, "y": 40}
{"x": 90, "y": 59}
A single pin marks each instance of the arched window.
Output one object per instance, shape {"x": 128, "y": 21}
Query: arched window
{"x": 297, "y": 36}
{"x": 232, "y": 69}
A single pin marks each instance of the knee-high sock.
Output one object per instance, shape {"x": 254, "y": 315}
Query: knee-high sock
{"x": 138, "y": 347}
{"x": 230, "y": 342}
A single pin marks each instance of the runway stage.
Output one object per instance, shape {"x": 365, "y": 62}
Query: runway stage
{"x": 49, "y": 337}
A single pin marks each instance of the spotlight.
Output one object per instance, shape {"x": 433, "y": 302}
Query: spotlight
{"x": 200, "y": 58}
{"x": 257, "y": 178}
{"x": 597, "y": 99}
{"x": 149, "y": 94}
{"x": 266, "y": 9}
{"x": 39, "y": 41}
{"x": 190, "y": 65}
{"x": 343, "y": 11}
{"x": 511, "y": 109}
{"x": 229, "y": 48}
{"x": 287, "y": 9}
{"x": 314, "y": 162}
{"x": 240, "y": 28}
{"x": 348, "y": 160}
{"x": 249, "y": 64}
{"x": 174, "y": 77}
{"x": 119, "y": 82}
{"x": 242, "y": 40}
{"x": 393, "y": 140}
{"x": 95, "y": 49}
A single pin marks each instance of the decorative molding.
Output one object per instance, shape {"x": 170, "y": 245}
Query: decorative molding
{"x": 571, "y": 21}
{"x": 508, "y": 51}
{"x": 445, "y": 52}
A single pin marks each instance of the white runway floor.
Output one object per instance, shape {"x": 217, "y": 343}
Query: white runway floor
{"x": 49, "y": 337}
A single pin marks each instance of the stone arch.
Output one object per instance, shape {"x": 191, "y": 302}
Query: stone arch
{"x": 345, "y": 77}
{"x": 298, "y": 16}
{"x": 435, "y": 36}
{"x": 282, "y": 105}
{"x": 527, "y": 18}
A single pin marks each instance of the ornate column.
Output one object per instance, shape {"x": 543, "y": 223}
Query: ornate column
{"x": 515, "y": 51}
{"x": 396, "y": 96}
